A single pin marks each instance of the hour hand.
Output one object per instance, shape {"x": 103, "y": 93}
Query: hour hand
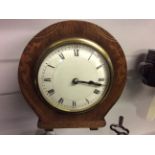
{"x": 77, "y": 81}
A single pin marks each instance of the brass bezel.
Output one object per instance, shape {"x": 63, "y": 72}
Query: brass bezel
{"x": 74, "y": 40}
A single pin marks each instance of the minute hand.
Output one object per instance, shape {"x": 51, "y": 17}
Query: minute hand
{"x": 94, "y": 83}
{"x": 90, "y": 83}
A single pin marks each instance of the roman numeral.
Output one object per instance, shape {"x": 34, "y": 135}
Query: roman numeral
{"x": 61, "y": 100}
{"x": 87, "y": 100}
{"x": 74, "y": 103}
{"x": 96, "y": 91}
{"x": 50, "y": 66}
{"x": 51, "y": 92}
{"x": 47, "y": 79}
{"x": 76, "y": 52}
{"x": 90, "y": 56}
{"x": 99, "y": 66}
{"x": 61, "y": 56}
{"x": 101, "y": 79}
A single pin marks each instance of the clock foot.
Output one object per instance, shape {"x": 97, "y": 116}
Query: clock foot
{"x": 49, "y": 132}
{"x": 93, "y": 128}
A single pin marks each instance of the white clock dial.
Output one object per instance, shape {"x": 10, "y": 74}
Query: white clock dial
{"x": 74, "y": 77}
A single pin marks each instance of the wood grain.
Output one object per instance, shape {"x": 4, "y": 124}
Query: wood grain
{"x": 48, "y": 117}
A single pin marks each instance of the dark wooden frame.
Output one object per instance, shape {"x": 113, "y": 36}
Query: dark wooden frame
{"x": 48, "y": 117}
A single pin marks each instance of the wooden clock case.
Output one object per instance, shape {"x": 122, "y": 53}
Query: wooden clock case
{"x": 50, "y": 118}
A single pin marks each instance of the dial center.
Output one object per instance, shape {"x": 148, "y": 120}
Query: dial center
{"x": 75, "y": 81}
{"x": 67, "y": 71}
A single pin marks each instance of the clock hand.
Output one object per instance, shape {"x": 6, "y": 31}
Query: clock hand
{"x": 77, "y": 81}
{"x": 94, "y": 83}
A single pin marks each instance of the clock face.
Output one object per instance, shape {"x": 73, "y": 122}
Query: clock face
{"x": 75, "y": 75}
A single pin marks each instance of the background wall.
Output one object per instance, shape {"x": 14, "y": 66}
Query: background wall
{"x": 137, "y": 103}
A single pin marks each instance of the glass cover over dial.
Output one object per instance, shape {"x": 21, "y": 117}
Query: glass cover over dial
{"x": 74, "y": 76}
